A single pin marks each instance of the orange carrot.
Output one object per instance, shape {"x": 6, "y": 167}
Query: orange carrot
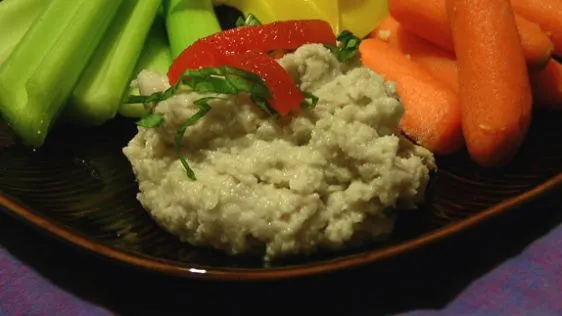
{"x": 547, "y": 86}
{"x": 547, "y": 14}
{"x": 432, "y": 115}
{"x": 425, "y": 18}
{"x": 428, "y": 19}
{"x": 494, "y": 86}
{"x": 537, "y": 46}
{"x": 439, "y": 62}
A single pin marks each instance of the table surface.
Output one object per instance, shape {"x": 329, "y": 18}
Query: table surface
{"x": 428, "y": 278}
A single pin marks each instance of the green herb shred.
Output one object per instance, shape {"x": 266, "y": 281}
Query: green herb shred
{"x": 310, "y": 100}
{"x": 347, "y": 48}
{"x": 204, "y": 108}
{"x": 222, "y": 80}
{"x": 152, "y": 120}
{"x": 249, "y": 21}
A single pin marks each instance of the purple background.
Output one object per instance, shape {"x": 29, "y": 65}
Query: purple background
{"x": 511, "y": 265}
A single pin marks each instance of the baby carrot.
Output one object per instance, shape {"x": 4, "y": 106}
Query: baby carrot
{"x": 547, "y": 86}
{"x": 432, "y": 115}
{"x": 425, "y": 18}
{"x": 439, "y": 62}
{"x": 428, "y": 19}
{"x": 537, "y": 46}
{"x": 547, "y": 14}
{"x": 494, "y": 88}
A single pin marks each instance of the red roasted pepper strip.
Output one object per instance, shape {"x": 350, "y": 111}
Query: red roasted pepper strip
{"x": 247, "y": 47}
{"x": 198, "y": 55}
{"x": 277, "y": 35}
{"x": 285, "y": 95}
{"x": 284, "y": 35}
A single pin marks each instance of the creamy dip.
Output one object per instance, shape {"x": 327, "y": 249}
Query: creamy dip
{"x": 322, "y": 180}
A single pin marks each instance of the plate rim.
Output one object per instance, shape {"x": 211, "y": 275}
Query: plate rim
{"x": 192, "y": 271}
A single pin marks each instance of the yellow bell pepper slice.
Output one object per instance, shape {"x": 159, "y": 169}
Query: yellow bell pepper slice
{"x": 268, "y": 11}
{"x": 362, "y": 16}
{"x": 358, "y": 16}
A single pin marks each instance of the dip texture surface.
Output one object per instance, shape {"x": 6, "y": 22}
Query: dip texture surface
{"x": 321, "y": 180}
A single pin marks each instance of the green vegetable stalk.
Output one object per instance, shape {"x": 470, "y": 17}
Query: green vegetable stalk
{"x": 187, "y": 21}
{"x": 171, "y": 33}
{"x": 17, "y": 16}
{"x": 155, "y": 56}
{"x": 39, "y": 75}
{"x": 104, "y": 84}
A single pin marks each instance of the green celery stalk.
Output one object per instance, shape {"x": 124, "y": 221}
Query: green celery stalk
{"x": 155, "y": 56}
{"x": 187, "y": 21}
{"x": 102, "y": 87}
{"x": 17, "y": 16}
{"x": 39, "y": 75}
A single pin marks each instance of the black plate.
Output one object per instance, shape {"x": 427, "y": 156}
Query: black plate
{"x": 80, "y": 187}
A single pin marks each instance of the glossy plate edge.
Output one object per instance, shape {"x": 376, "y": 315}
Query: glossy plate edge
{"x": 347, "y": 262}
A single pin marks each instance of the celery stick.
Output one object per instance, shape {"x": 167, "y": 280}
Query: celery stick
{"x": 38, "y": 77}
{"x": 156, "y": 57}
{"x": 187, "y": 21}
{"x": 17, "y": 16}
{"x": 102, "y": 86}
{"x": 157, "y": 54}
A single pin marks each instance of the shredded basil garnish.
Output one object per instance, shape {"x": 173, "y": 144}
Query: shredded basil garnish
{"x": 223, "y": 80}
{"x": 204, "y": 108}
{"x": 263, "y": 104}
{"x": 249, "y": 21}
{"x": 310, "y": 100}
{"x": 151, "y": 120}
{"x": 347, "y": 48}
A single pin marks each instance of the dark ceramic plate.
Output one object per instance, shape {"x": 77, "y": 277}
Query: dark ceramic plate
{"x": 80, "y": 188}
